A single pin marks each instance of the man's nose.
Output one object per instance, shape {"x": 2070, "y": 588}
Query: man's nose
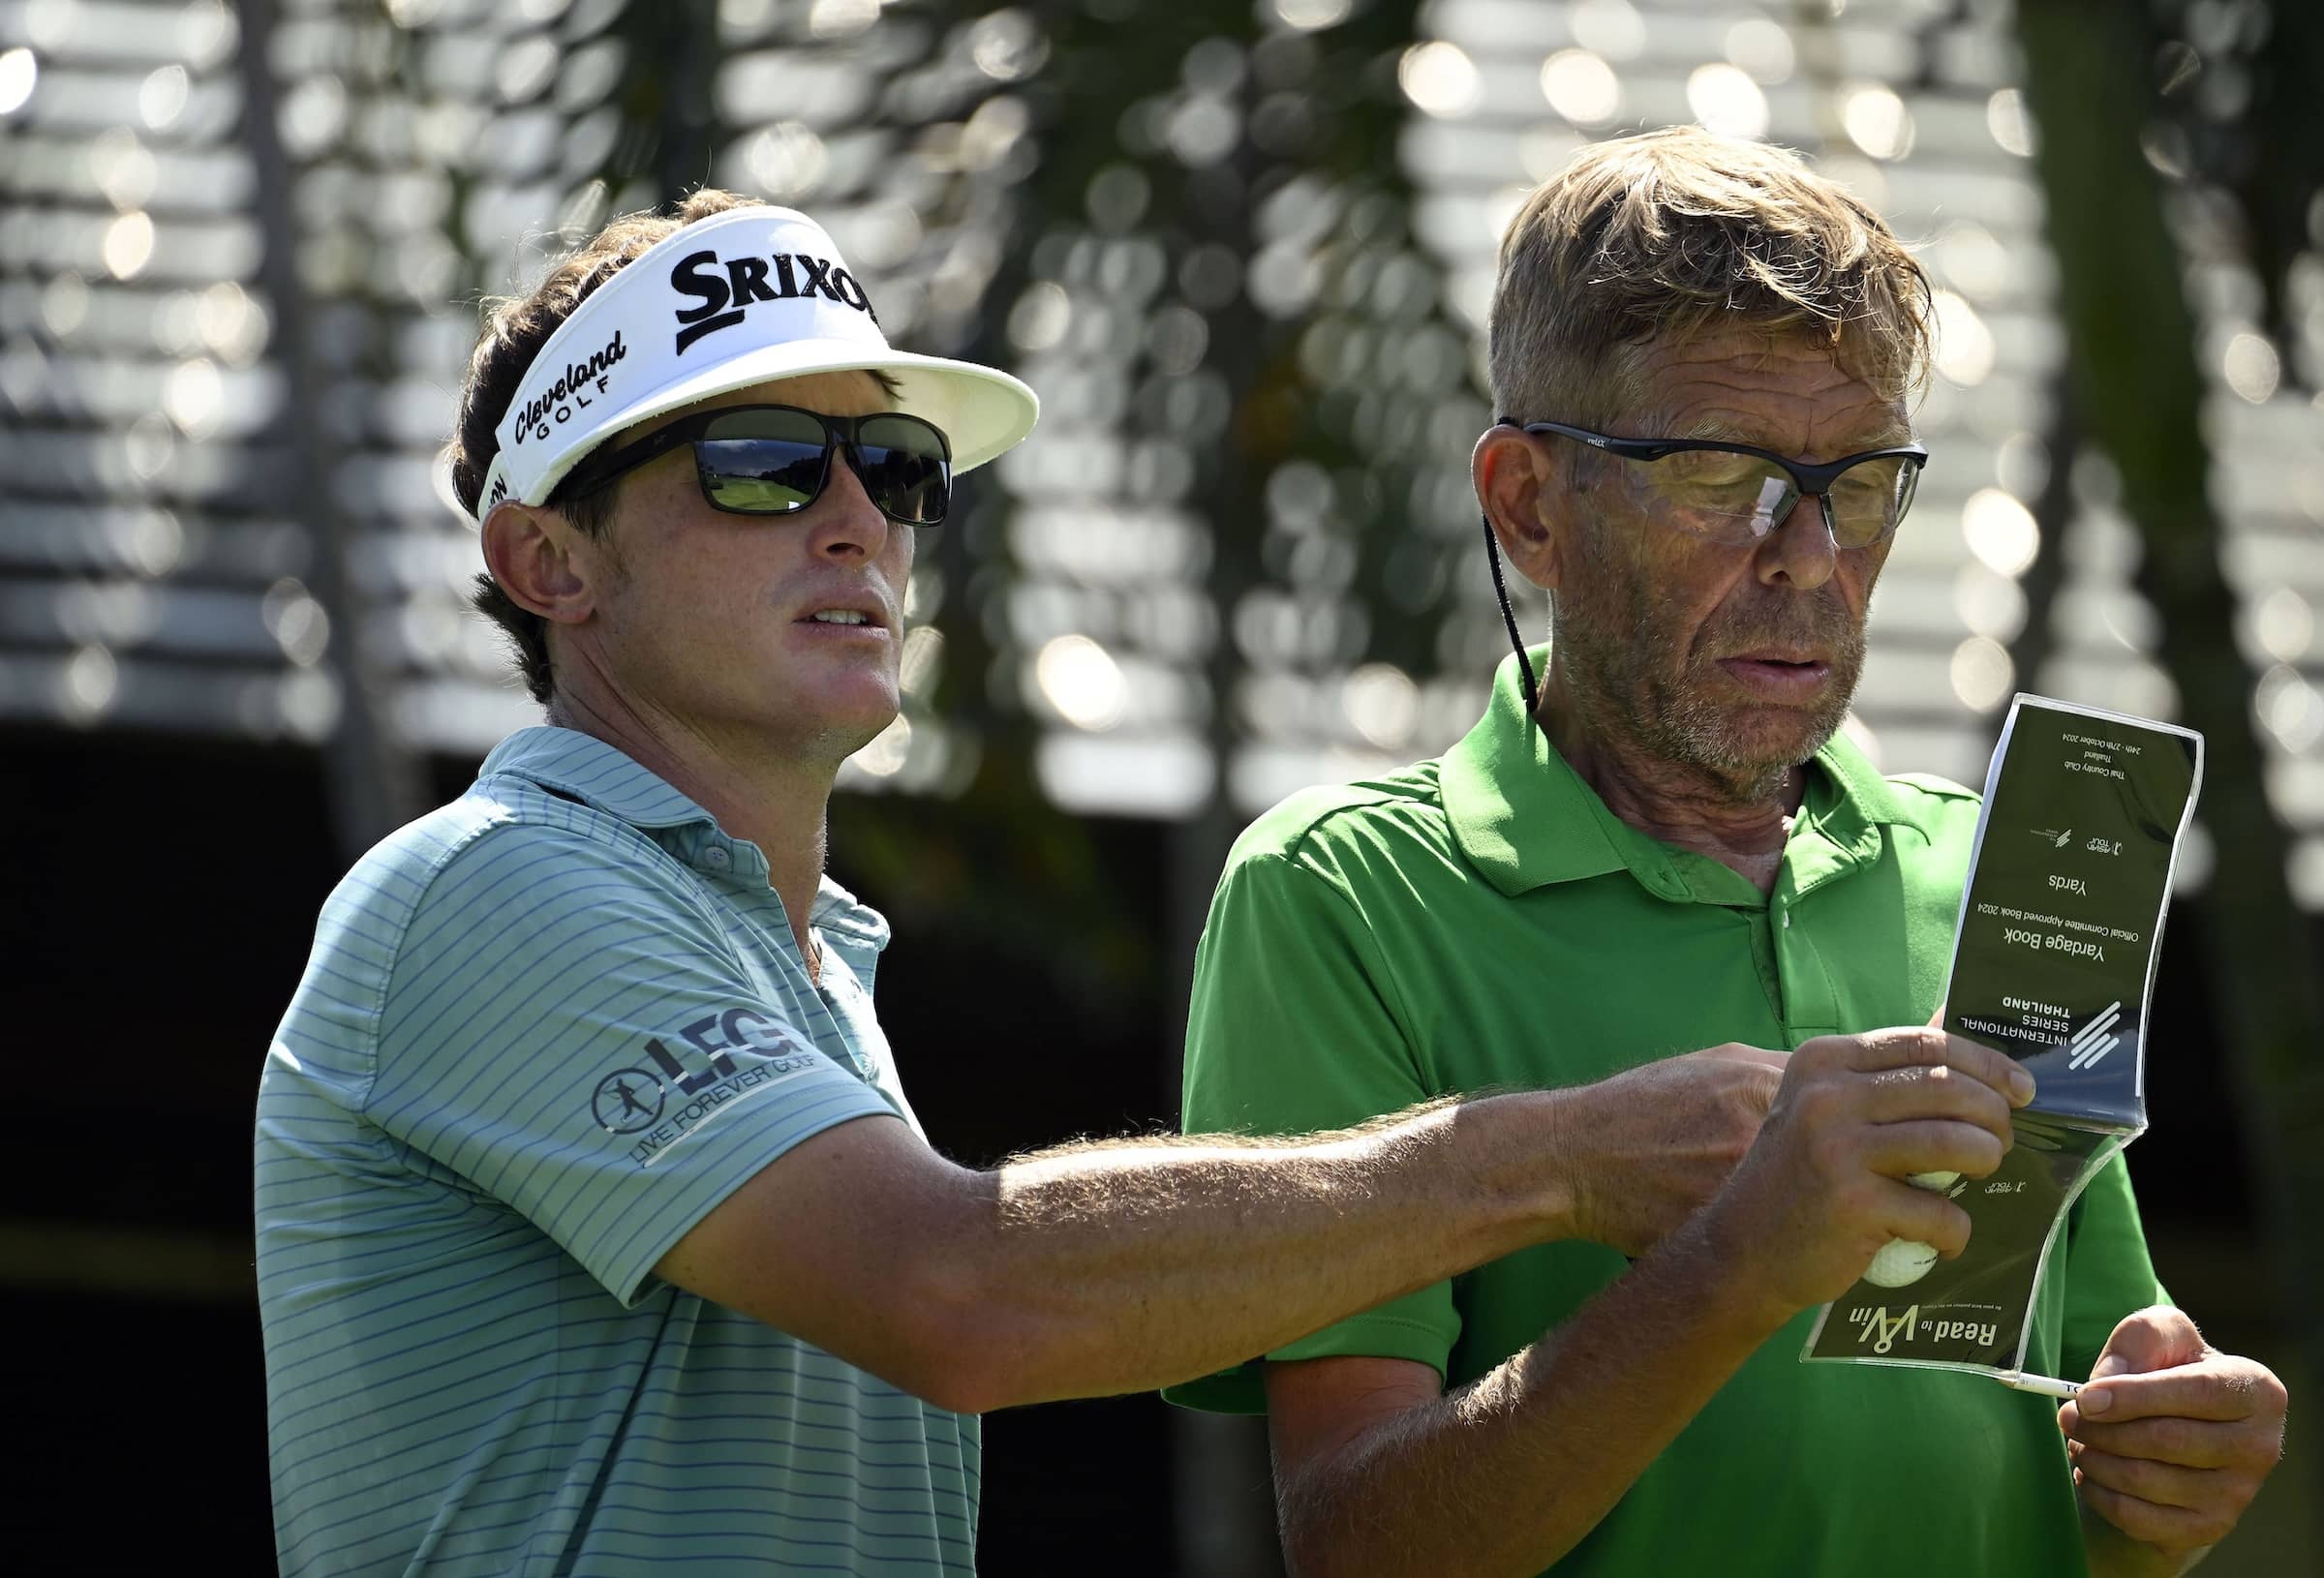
{"x": 1801, "y": 552}
{"x": 845, "y": 523}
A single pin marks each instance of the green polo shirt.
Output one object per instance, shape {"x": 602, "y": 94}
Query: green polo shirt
{"x": 1483, "y": 921}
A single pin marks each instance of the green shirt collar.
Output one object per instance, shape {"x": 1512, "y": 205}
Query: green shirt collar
{"x": 1526, "y": 819}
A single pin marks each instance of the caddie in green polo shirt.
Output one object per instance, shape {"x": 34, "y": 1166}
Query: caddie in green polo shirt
{"x": 1659, "y": 848}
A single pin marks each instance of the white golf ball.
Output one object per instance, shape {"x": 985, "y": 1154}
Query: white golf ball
{"x": 1903, "y": 1261}
{"x": 1899, "y": 1263}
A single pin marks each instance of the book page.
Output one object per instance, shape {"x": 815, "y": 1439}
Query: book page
{"x": 2053, "y": 963}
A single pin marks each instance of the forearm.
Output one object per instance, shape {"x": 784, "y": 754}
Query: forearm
{"x": 1506, "y": 1475}
{"x": 1132, "y": 1265}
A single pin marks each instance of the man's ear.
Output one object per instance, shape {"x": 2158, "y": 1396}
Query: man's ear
{"x": 1523, "y": 493}
{"x": 544, "y": 563}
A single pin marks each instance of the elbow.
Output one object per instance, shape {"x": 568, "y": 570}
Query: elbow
{"x": 956, "y": 1351}
{"x": 951, "y": 1383}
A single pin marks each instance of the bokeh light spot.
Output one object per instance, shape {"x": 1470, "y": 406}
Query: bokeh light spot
{"x": 124, "y": 171}
{"x": 1440, "y": 79}
{"x": 884, "y": 757}
{"x": 1612, "y": 28}
{"x": 1581, "y": 87}
{"x": 1762, "y": 48}
{"x": 2009, "y": 124}
{"x": 2252, "y": 367}
{"x": 1040, "y": 317}
{"x": 1007, "y": 46}
{"x": 1965, "y": 346}
{"x": 128, "y": 246}
{"x": 193, "y": 395}
{"x": 788, "y": 160}
{"x": 1310, "y": 15}
{"x": 1999, "y": 531}
{"x": 1383, "y": 704}
{"x": 87, "y": 688}
{"x": 162, "y": 97}
{"x": 2285, "y": 624}
{"x": 1080, "y": 680}
{"x": 841, "y": 18}
{"x": 1982, "y": 674}
{"x": 1727, "y": 101}
{"x": 2288, "y": 708}
{"x": 1877, "y": 121}
{"x": 20, "y": 73}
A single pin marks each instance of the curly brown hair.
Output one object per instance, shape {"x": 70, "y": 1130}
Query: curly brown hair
{"x": 516, "y": 329}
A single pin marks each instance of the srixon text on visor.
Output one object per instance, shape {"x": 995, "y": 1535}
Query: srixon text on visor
{"x": 726, "y": 287}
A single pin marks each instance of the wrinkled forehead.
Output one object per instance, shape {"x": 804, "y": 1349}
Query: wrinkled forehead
{"x": 1808, "y": 395}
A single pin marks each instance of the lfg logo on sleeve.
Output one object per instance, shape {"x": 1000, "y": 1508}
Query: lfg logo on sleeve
{"x": 727, "y": 288}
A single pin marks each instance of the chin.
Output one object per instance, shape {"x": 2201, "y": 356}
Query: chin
{"x": 854, "y": 726}
{"x": 833, "y": 720}
{"x": 1749, "y": 743}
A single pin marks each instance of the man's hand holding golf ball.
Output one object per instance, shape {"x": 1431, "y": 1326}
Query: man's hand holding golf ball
{"x": 1826, "y": 1187}
{"x": 2170, "y": 1441}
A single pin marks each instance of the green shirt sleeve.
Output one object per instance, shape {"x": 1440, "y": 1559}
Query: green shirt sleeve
{"x": 1296, "y": 1025}
{"x": 2108, "y": 1273}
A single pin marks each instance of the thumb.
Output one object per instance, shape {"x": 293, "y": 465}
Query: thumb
{"x": 2153, "y": 1339}
{"x": 1760, "y": 1092}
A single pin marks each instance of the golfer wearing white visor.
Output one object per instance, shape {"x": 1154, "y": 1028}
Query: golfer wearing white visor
{"x": 593, "y": 1227}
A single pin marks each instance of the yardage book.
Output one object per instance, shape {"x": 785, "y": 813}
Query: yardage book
{"x": 2053, "y": 960}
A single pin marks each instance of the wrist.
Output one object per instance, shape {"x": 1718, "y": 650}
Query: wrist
{"x": 1722, "y": 1256}
{"x": 1524, "y": 1165}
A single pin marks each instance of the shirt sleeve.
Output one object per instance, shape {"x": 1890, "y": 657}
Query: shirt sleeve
{"x": 568, "y": 1031}
{"x": 1293, "y": 1026}
{"x": 2108, "y": 1273}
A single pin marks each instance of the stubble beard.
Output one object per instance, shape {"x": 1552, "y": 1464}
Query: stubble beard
{"x": 1643, "y": 684}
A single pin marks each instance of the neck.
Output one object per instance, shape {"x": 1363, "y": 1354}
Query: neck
{"x": 1741, "y": 824}
{"x": 768, "y": 797}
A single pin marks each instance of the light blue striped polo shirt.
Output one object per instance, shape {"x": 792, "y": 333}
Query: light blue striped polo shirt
{"x": 543, "y": 1032}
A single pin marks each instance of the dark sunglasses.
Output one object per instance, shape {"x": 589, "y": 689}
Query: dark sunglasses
{"x": 776, "y": 460}
{"x": 1736, "y": 493}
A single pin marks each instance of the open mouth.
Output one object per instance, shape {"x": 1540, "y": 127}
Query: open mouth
{"x": 846, "y": 626}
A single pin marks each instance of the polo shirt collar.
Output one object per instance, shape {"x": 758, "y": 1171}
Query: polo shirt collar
{"x": 594, "y": 772}
{"x": 609, "y": 779}
{"x": 1526, "y": 819}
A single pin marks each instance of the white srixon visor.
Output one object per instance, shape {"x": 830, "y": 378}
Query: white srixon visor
{"x": 745, "y": 297}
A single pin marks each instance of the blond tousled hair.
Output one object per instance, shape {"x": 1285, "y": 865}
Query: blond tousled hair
{"x": 1669, "y": 235}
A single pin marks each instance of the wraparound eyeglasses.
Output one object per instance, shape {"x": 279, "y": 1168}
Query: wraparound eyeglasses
{"x": 776, "y": 460}
{"x": 1737, "y": 494}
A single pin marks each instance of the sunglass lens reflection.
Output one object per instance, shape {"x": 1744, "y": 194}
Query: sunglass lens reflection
{"x": 770, "y": 476}
{"x": 900, "y": 459}
{"x": 905, "y": 470}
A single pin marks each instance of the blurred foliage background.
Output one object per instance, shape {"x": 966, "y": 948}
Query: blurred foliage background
{"x": 1243, "y": 251}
